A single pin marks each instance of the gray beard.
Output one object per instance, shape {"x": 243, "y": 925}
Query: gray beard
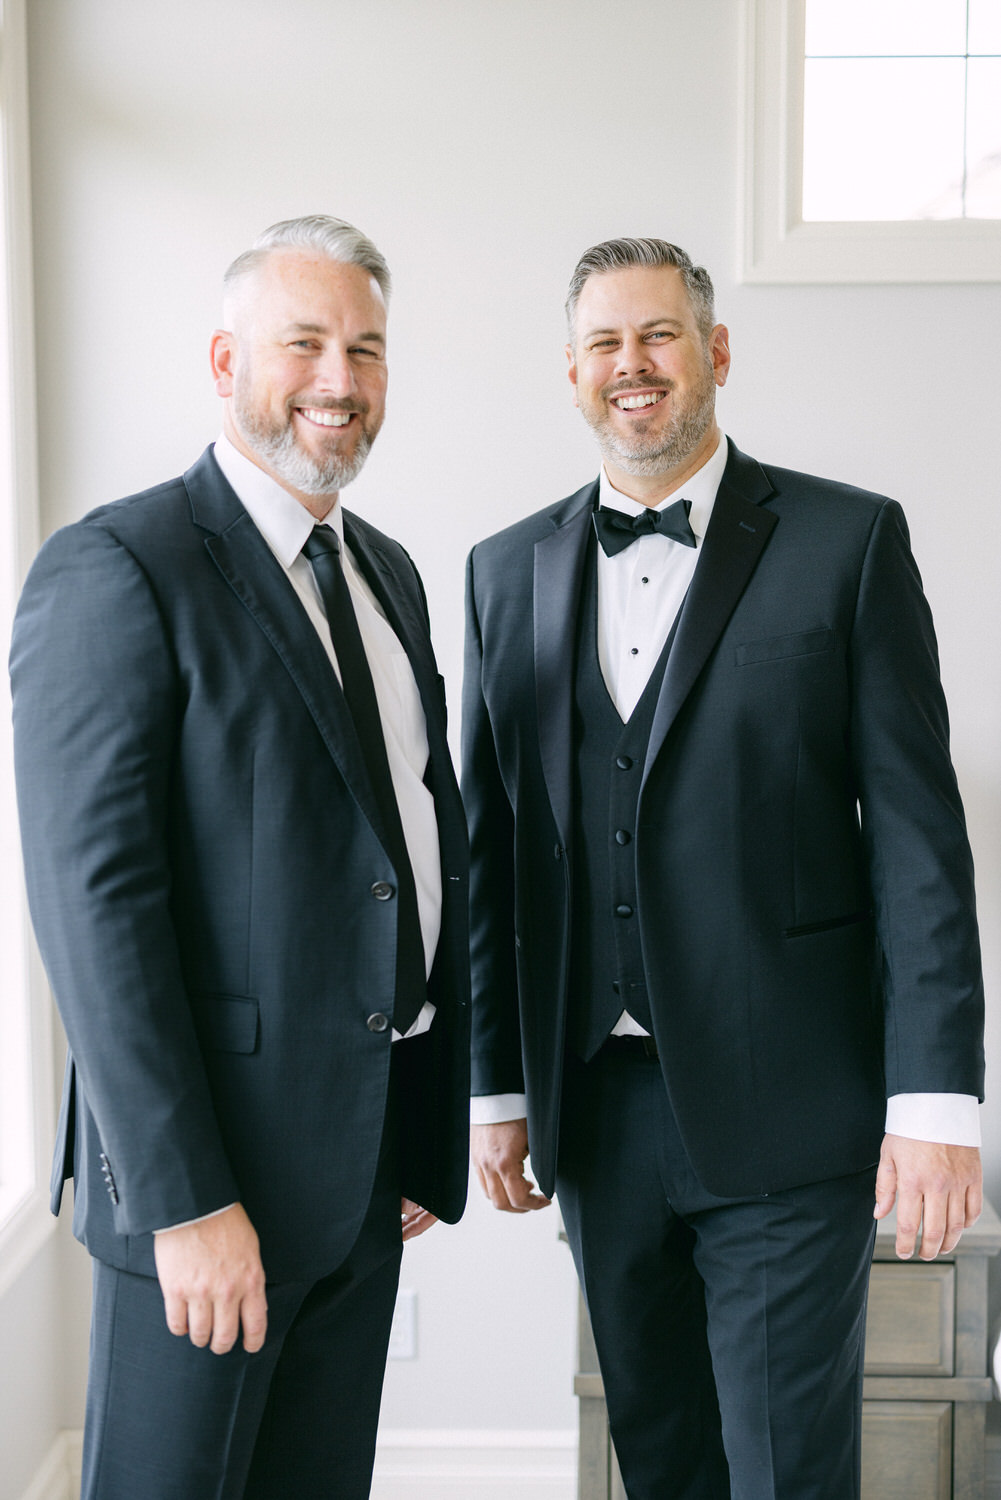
{"x": 298, "y": 469}
{"x": 649, "y": 456}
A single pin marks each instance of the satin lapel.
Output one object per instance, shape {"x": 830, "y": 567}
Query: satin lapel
{"x": 559, "y": 571}
{"x": 246, "y": 562}
{"x": 736, "y": 537}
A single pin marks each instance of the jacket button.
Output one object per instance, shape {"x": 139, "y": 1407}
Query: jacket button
{"x": 623, "y": 836}
{"x": 624, "y": 762}
{"x": 383, "y": 891}
{"x": 113, "y": 1194}
{"x": 622, "y": 910}
{"x": 378, "y": 1022}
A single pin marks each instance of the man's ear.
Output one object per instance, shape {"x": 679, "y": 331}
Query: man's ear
{"x": 572, "y": 372}
{"x": 221, "y": 355}
{"x": 719, "y": 351}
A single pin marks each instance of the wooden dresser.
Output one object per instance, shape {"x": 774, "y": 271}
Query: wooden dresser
{"x": 926, "y": 1382}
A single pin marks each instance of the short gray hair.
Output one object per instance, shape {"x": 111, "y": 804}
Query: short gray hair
{"x": 334, "y": 239}
{"x": 619, "y": 255}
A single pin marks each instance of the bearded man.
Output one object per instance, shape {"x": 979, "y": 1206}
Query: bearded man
{"x": 246, "y": 864}
{"x": 726, "y": 974}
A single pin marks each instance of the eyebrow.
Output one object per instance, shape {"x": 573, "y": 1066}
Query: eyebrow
{"x": 319, "y": 328}
{"x": 650, "y": 323}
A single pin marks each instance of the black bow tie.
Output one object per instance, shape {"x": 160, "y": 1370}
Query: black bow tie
{"x": 616, "y": 530}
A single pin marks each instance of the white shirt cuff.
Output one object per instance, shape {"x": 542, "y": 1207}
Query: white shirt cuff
{"x": 950, "y": 1119}
{"x": 201, "y": 1220}
{"x": 496, "y": 1109}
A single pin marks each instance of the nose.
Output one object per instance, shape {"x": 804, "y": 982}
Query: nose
{"x": 335, "y": 373}
{"x": 634, "y": 357}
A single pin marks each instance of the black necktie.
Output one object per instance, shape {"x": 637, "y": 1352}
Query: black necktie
{"x": 323, "y": 549}
{"x": 616, "y": 530}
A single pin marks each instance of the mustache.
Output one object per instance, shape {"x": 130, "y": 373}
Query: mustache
{"x": 623, "y": 387}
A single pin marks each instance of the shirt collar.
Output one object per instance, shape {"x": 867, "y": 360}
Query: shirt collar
{"x": 700, "y": 490}
{"x": 284, "y": 524}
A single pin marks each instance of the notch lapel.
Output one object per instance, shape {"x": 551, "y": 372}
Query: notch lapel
{"x": 559, "y": 571}
{"x": 258, "y": 580}
{"x": 737, "y": 534}
{"x": 401, "y": 608}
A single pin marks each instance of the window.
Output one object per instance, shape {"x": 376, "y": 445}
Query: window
{"x": 873, "y": 141}
{"x": 25, "y": 1027}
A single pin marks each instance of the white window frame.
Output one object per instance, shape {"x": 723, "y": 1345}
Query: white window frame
{"x": 27, "y": 1111}
{"x": 776, "y": 245}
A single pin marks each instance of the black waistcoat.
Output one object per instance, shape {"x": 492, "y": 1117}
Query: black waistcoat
{"x": 606, "y": 959}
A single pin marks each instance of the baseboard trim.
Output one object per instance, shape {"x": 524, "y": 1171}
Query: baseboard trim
{"x": 425, "y": 1464}
{"x": 470, "y": 1464}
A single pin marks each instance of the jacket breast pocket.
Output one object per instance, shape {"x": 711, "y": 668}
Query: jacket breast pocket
{"x": 227, "y": 1023}
{"x": 780, "y": 647}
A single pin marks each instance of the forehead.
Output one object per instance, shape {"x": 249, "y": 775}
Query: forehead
{"x": 633, "y": 296}
{"x": 294, "y": 287}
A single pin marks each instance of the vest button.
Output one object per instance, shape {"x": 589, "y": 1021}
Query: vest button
{"x": 383, "y": 891}
{"x": 622, "y": 910}
{"x": 623, "y": 836}
{"x": 378, "y": 1022}
{"x": 624, "y": 762}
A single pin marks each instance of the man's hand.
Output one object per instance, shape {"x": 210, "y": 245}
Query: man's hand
{"x": 938, "y": 1189}
{"x": 499, "y": 1153}
{"x": 414, "y": 1219}
{"x": 212, "y": 1280}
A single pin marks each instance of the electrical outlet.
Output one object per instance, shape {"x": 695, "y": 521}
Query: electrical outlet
{"x": 403, "y": 1334}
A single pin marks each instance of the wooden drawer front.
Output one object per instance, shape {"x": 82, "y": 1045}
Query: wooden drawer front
{"x": 911, "y": 1319}
{"x": 906, "y": 1450}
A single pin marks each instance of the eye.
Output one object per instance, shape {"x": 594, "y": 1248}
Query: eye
{"x": 661, "y": 333}
{"x": 307, "y": 344}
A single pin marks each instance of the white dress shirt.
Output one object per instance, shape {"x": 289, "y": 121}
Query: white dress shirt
{"x": 640, "y": 593}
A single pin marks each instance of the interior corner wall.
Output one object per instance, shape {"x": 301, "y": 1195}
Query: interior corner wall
{"x": 482, "y": 147}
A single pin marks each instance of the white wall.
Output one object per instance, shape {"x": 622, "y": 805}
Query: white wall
{"x": 483, "y": 146}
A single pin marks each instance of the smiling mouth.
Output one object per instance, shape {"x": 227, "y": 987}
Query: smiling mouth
{"x": 636, "y": 401}
{"x": 322, "y": 417}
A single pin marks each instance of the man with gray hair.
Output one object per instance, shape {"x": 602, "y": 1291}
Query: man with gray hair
{"x": 726, "y": 973}
{"x": 246, "y": 865}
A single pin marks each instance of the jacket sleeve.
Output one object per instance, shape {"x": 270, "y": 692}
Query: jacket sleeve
{"x": 496, "y": 1045}
{"x": 96, "y": 702}
{"x": 913, "y": 829}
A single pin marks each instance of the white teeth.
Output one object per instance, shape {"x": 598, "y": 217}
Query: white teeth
{"x": 630, "y": 403}
{"x": 326, "y": 418}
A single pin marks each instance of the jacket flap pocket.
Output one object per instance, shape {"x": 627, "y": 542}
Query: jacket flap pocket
{"x": 227, "y": 1022}
{"x": 805, "y": 643}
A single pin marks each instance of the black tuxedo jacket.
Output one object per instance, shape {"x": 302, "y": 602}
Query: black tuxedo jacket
{"x": 805, "y": 884}
{"x": 204, "y": 865}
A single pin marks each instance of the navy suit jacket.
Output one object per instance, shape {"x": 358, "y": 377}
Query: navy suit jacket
{"x": 202, "y": 847}
{"x": 805, "y": 883}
